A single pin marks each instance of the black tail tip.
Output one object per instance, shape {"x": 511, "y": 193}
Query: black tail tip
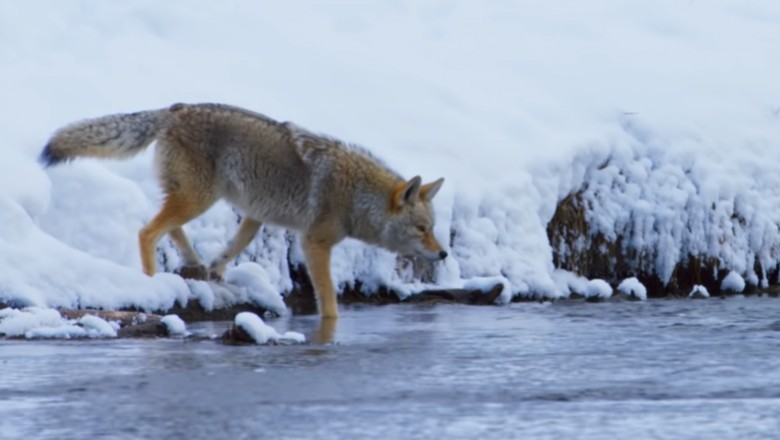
{"x": 49, "y": 158}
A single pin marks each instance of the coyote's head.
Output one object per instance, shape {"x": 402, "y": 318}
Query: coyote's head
{"x": 409, "y": 227}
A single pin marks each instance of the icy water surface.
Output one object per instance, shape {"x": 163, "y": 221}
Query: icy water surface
{"x": 662, "y": 369}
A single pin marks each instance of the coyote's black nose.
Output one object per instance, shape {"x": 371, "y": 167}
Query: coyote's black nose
{"x": 443, "y": 254}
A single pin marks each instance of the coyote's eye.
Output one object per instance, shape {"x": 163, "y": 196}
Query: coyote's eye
{"x": 422, "y": 228}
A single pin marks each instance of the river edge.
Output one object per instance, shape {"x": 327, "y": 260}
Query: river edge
{"x": 135, "y": 323}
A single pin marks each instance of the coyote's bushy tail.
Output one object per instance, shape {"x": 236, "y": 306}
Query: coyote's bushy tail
{"x": 115, "y": 136}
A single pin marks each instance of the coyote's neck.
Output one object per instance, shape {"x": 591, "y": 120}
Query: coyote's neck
{"x": 371, "y": 207}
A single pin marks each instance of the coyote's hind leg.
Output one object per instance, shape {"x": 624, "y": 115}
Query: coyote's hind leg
{"x": 246, "y": 232}
{"x": 176, "y": 211}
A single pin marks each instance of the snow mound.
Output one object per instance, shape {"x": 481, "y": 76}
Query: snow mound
{"x": 633, "y": 288}
{"x": 698, "y": 292}
{"x": 15, "y": 322}
{"x": 733, "y": 282}
{"x": 252, "y": 279}
{"x": 175, "y": 325}
{"x": 263, "y": 333}
{"x": 202, "y": 292}
{"x": 567, "y": 282}
{"x": 598, "y": 290}
{"x": 98, "y": 327}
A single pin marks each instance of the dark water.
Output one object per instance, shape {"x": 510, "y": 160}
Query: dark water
{"x": 662, "y": 369}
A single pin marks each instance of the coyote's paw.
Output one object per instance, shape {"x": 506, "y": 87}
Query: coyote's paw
{"x": 198, "y": 272}
{"x": 215, "y": 275}
{"x": 216, "y": 271}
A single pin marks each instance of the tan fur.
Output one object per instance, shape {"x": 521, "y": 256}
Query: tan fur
{"x": 273, "y": 172}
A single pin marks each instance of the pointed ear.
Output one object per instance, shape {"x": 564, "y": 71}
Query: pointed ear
{"x": 429, "y": 190}
{"x": 407, "y": 192}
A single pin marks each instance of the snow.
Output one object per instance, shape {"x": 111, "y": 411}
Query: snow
{"x": 97, "y": 327}
{"x": 733, "y": 282}
{"x": 256, "y": 284}
{"x": 633, "y": 288}
{"x": 567, "y": 283}
{"x": 44, "y": 323}
{"x": 263, "y": 333}
{"x": 598, "y": 289}
{"x": 699, "y": 291}
{"x": 175, "y": 325}
{"x": 664, "y": 115}
{"x": 203, "y": 293}
{"x": 64, "y": 331}
{"x": 15, "y": 322}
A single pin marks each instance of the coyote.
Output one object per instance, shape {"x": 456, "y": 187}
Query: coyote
{"x": 270, "y": 171}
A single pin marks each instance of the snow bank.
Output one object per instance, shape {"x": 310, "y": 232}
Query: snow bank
{"x": 263, "y": 333}
{"x": 663, "y": 115}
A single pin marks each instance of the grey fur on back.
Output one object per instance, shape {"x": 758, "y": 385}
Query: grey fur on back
{"x": 125, "y": 134}
{"x": 273, "y": 171}
{"x": 309, "y": 144}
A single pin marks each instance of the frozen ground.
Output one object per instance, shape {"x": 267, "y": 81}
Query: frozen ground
{"x": 658, "y": 369}
{"x": 664, "y": 115}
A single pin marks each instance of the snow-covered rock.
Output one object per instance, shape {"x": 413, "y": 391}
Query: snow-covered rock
{"x": 633, "y": 288}
{"x": 598, "y": 290}
{"x": 733, "y": 283}
{"x": 698, "y": 292}
{"x": 263, "y": 333}
{"x": 174, "y": 325}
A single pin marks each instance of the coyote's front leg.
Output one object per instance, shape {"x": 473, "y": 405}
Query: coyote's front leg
{"x": 192, "y": 267}
{"x": 317, "y": 251}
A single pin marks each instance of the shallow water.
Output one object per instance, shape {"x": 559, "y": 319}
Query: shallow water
{"x": 661, "y": 369}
